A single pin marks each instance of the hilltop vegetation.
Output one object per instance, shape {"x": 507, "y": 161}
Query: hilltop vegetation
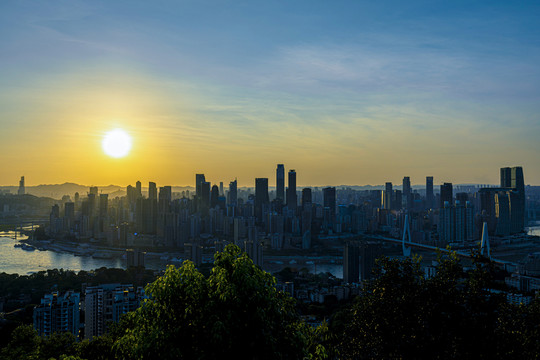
{"x": 236, "y": 310}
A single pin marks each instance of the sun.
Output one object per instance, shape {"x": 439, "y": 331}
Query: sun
{"x": 116, "y": 143}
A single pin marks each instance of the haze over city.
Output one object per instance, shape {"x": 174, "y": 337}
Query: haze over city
{"x": 344, "y": 92}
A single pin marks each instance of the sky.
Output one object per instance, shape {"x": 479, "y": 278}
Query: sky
{"x": 344, "y": 92}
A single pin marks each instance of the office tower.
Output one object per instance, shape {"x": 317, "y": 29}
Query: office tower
{"x": 398, "y": 199}
{"x": 429, "y": 192}
{"x": 446, "y": 194}
{"x": 233, "y": 192}
{"x": 469, "y": 221}
{"x": 306, "y": 197}
{"x": 447, "y": 221}
{"x": 280, "y": 182}
{"x": 94, "y": 190}
{"x": 261, "y": 196}
{"x": 58, "y": 314}
{"x": 152, "y": 191}
{"x": 214, "y": 196}
{"x": 22, "y": 189}
{"x": 221, "y": 193}
{"x": 103, "y": 204}
{"x": 138, "y": 186}
{"x": 199, "y": 179}
{"x": 69, "y": 215}
{"x": 291, "y": 191}
{"x": 513, "y": 178}
{"x": 460, "y": 222}
{"x": 406, "y": 193}
{"x": 387, "y": 196}
{"x": 105, "y": 304}
{"x": 506, "y": 177}
{"x": 205, "y": 194}
{"x": 329, "y": 201}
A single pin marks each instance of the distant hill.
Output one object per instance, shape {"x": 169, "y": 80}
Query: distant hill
{"x": 56, "y": 191}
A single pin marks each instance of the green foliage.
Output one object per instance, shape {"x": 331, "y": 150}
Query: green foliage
{"x": 401, "y": 314}
{"x": 236, "y": 310}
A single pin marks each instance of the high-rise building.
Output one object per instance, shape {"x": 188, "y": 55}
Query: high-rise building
{"x": 387, "y": 196}
{"x": 447, "y": 222}
{"x": 407, "y": 199}
{"x": 105, "y": 304}
{"x": 214, "y": 196}
{"x": 306, "y": 197}
{"x": 138, "y": 186}
{"x": 221, "y": 193}
{"x": 233, "y": 192}
{"x": 58, "y": 314}
{"x": 513, "y": 178}
{"x": 261, "y": 196}
{"x": 429, "y": 192}
{"x": 351, "y": 263}
{"x": 199, "y": 179}
{"x": 329, "y": 201}
{"x": 280, "y": 182}
{"x": 291, "y": 191}
{"x": 152, "y": 191}
{"x": 22, "y": 189}
{"x": 446, "y": 194}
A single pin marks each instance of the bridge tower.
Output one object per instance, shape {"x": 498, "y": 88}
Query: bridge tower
{"x": 484, "y": 245}
{"x": 406, "y": 235}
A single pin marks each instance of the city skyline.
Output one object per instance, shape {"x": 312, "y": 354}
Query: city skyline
{"x": 347, "y": 93}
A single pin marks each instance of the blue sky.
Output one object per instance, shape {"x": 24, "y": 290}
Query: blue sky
{"x": 346, "y": 92}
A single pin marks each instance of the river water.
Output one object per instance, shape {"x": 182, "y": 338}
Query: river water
{"x": 15, "y": 260}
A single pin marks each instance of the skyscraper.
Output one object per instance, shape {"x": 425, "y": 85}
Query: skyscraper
{"x": 513, "y": 178}
{"x": 152, "y": 191}
{"x": 280, "y": 182}
{"x": 429, "y": 192}
{"x": 387, "y": 196}
{"x": 22, "y": 189}
{"x": 329, "y": 201}
{"x": 261, "y": 196}
{"x": 291, "y": 191}
{"x": 199, "y": 179}
{"x": 406, "y": 193}
{"x": 233, "y": 192}
{"x": 306, "y": 197}
{"x": 446, "y": 194}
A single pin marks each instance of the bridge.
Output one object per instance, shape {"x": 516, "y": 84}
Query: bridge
{"x": 407, "y": 245}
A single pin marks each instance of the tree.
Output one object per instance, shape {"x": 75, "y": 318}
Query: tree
{"x": 454, "y": 314}
{"x": 235, "y": 311}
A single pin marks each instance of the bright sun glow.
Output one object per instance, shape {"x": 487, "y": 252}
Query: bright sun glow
{"x": 116, "y": 143}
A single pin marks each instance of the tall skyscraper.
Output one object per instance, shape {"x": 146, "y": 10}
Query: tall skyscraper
{"x": 22, "y": 189}
{"x": 199, "y": 179}
{"x": 387, "y": 196}
{"x": 446, "y": 194}
{"x": 513, "y": 178}
{"x": 221, "y": 193}
{"x": 214, "y": 196}
{"x": 306, "y": 197}
{"x": 152, "y": 191}
{"x": 291, "y": 191}
{"x": 261, "y": 196}
{"x": 429, "y": 192}
{"x": 406, "y": 193}
{"x": 329, "y": 201}
{"x": 280, "y": 182}
{"x": 233, "y": 192}
{"x": 138, "y": 186}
